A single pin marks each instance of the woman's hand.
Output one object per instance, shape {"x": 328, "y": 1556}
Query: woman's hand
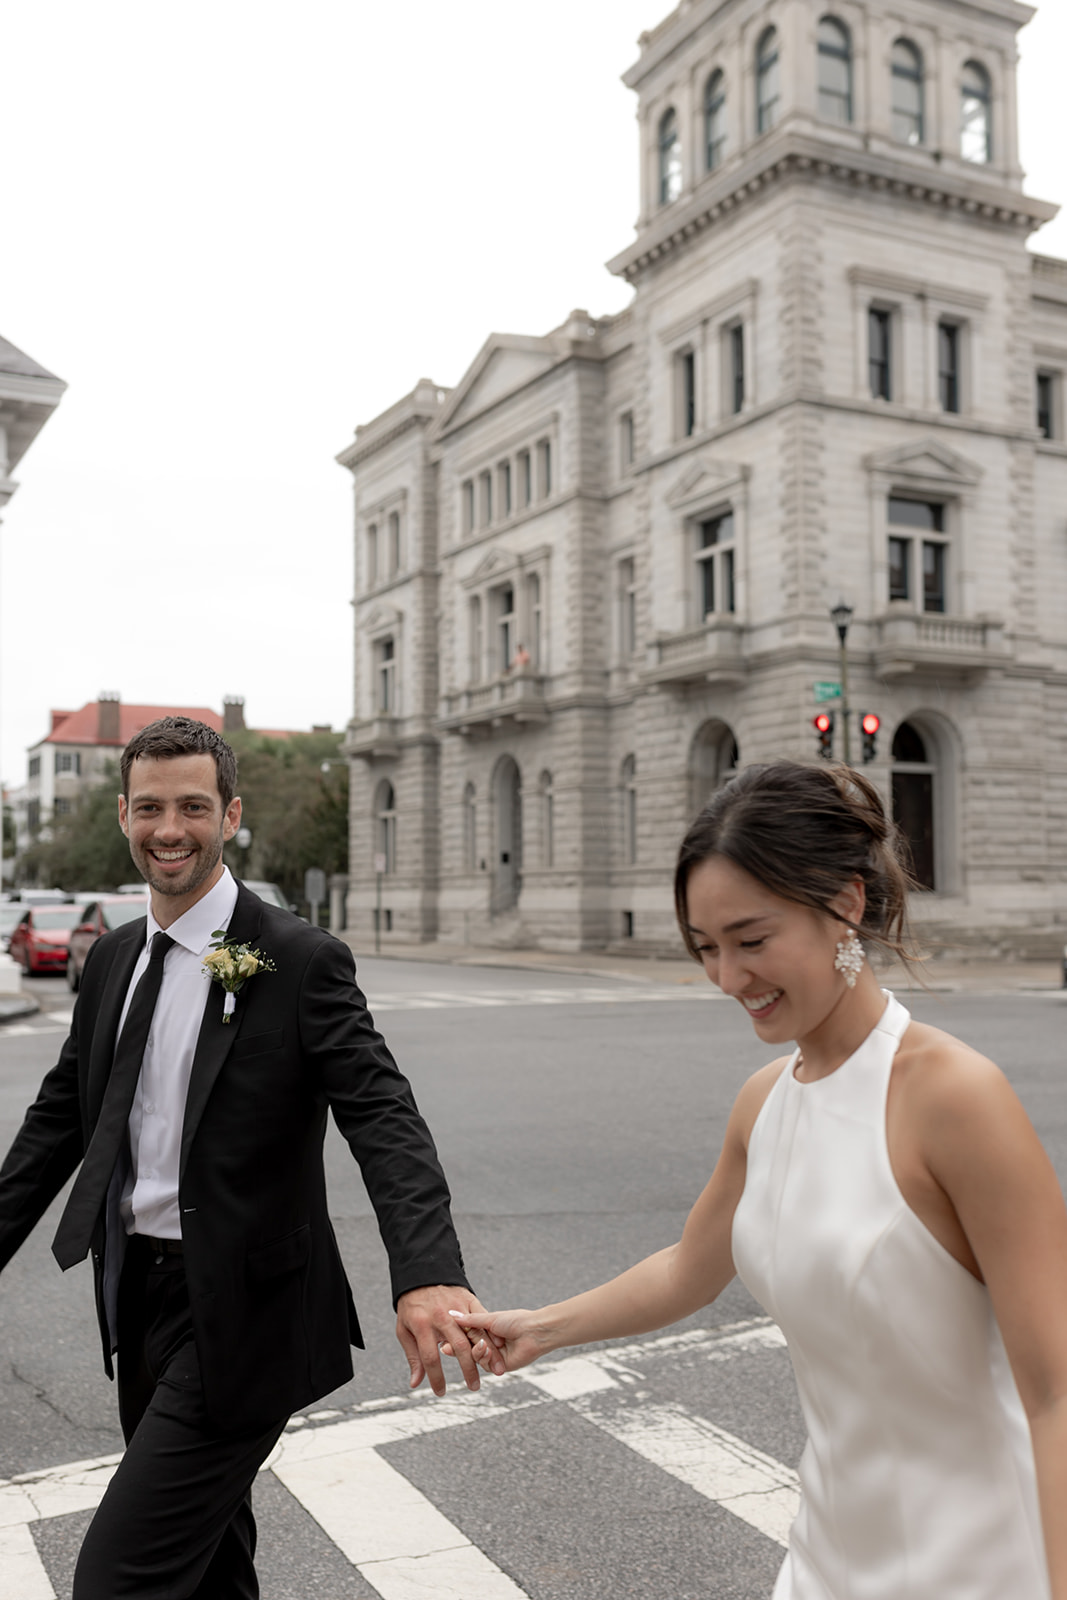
{"x": 514, "y": 1337}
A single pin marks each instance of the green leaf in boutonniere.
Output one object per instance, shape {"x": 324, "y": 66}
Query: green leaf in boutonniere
{"x": 232, "y": 963}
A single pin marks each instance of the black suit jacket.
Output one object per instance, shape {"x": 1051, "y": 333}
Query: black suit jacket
{"x": 272, "y": 1309}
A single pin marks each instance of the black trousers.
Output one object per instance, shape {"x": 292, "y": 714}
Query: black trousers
{"x": 176, "y": 1520}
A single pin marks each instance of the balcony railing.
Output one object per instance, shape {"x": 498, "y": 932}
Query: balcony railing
{"x": 517, "y": 696}
{"x": 378, "y": 737}
{"x": 909, "y": 642}
{"x": 709, "y": 652}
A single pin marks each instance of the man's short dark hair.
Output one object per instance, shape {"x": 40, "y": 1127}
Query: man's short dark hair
{"x": 182, "y": 736}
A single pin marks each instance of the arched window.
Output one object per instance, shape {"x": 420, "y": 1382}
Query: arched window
{"x": 767, "y": 89}
{"x": 976, "y": 114}
{"x": 714, "y": 120}
{"x": 670, "y": 159}
{"x": 713, "y": 760}
{"x": 548, "y": 820}
{"x": 470, "y": 829}
{"x": 385, "y": 826}
{"x": 907, "y": 93}
{"x": 628, "y": 786}
{"x": 835, "y": 71}
{"x": 913, "y": 800}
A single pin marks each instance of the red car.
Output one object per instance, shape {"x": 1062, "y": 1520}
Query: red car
{"x": 40, "y": 939}
{"x": 99, "y": 916}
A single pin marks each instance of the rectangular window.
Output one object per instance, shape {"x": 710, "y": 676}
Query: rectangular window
{"x": 62, "y": 806}
{"x": 879, "y": 353}
{"x": 687, "y": 393}
{"x": 485, "y": 499}
{"x": 627, "y": 591}
{"x": 467, "y": 495}
{"x": 715, "y": 555}
{"x": 372, "y": 555}
{"x": 933, "y": 576}
{"x": 899, "y": 562}
{"x": 1045, "y": 416}
{"x": 503, "y": 474}
{"x": 626, "y": 441}
{"x": 477, "y": 646}
{"x": 544, "y": 469}
{"x": 68, "y": 761}
{"x": 534, "y": 622}
{"x": 394, "y": 543}
{"x": 505, "y": 626}
{"x": 33, "y": 815}
{"x": 525, "y": 478}
{"x": 737, "y": 367}
{"x": 926, "y": 514}
{"x": 386, "y": 653}
{"x": 35, "y": 767}
{"x": 948, "y": 366}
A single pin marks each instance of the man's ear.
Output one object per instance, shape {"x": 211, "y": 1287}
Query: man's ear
{"x": 123, "y": 816}
{"x": 232, "y": 820}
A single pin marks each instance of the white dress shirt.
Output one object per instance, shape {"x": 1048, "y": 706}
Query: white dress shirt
{"x": 150, "y": 1198}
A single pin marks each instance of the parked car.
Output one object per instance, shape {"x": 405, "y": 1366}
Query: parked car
{"x": 268, "y": 892}
{"x": 107, "y": 911}
{"x": 11, "y": 914}
{"x": 40, "y": 939}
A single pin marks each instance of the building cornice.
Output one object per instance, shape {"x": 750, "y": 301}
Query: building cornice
{"x": 790, "y": 156}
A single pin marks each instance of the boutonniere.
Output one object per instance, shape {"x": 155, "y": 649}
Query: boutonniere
{"x": 232, "y": 964}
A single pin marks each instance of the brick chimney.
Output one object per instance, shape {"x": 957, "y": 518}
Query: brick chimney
{"x": 233, "y": 713}
{"x": 107, "y": 717}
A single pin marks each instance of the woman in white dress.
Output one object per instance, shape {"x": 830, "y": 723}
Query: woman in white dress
{"x": 883, "y": 1195}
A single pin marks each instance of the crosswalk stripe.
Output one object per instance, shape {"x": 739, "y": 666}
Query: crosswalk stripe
{"x": 22, "y": 1573}
{"x": 430, "y": 1000}
{"x": 723, "y": 1468}
{"x": 403, "y": 1546}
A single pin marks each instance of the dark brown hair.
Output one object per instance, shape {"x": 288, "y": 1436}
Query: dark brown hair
{"x": 805, "y": 833}
{"x": 182, "y": 736}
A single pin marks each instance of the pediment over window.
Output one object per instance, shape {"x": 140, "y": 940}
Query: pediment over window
{"x": 380, "y": 618}
{"x": 496, "y": 564}
{"x": 504, "y": 363}
{"x": 706, "y": 479}
{"x": 925, "y": 461}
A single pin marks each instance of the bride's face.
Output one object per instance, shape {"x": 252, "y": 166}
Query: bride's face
{"x": 773, "y": 956}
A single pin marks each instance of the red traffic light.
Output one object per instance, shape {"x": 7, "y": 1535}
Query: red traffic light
{"x": 870, "y": 724}
{"x": 824, "y": 722}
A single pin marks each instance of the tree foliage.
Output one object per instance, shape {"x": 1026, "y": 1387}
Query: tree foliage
{"x": 88, "y": 849}
{"x": 297, "y": 812}
{"x": 295, "y": 796}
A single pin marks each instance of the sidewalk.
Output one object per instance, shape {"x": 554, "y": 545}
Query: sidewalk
{"x": 13, "y": 1006}
{"x": 942, "y": 977}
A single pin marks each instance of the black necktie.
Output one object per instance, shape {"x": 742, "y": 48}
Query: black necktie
{"x": 75, "y": 1232}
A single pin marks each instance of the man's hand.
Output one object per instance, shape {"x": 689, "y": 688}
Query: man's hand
{"x": 423, "y": 1325}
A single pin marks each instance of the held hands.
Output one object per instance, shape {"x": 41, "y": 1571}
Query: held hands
{"x": 426, "y": 1327}
{"x": 511, "y": 1339}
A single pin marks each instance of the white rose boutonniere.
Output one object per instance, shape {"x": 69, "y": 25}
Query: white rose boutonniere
{"x": 232, "y": 964}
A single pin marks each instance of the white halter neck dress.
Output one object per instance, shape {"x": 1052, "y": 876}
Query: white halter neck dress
{"x": 918, "y": 1476}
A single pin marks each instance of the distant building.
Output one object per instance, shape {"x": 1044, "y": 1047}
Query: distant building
{"x": 597, "y": 576}
{"x": 29, "y": 394}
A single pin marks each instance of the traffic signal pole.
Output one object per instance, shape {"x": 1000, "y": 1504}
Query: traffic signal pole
{"x": 842, "y": 616}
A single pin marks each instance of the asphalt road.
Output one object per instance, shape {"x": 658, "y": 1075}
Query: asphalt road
{"x": 577, "y": 1119}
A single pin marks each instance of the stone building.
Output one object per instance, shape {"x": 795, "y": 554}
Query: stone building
{"x": 598, "y": 574}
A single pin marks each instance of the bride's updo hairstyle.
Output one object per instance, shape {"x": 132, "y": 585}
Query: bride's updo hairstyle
{"x": 805, "y": 833}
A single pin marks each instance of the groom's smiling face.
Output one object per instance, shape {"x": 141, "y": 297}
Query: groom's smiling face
{"x": 176, "y": 823}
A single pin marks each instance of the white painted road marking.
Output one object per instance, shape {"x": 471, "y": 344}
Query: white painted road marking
{"x": 623, "y": 994}
{"x": 404, "y": 1547}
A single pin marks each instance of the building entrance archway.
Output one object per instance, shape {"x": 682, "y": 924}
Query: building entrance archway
{"x": 914, "y": 801}
{"x": 507, "y": 869}
{"x": 713, "y": 760}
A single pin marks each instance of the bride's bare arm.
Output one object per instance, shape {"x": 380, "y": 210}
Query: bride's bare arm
{"x": 659, "y": 1290}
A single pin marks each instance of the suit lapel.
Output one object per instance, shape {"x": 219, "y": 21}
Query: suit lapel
{"x": 106, "y": 1026}
{"x": 216, "y": 1037}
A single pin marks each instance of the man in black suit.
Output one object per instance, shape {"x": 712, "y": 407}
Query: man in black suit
{"x": 199, "y": 1121}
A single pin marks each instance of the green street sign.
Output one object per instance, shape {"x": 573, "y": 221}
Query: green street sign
{"x": 826, "y": 691}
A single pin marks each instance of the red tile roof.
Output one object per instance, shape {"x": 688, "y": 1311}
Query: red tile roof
{"x": 83, "y": 727}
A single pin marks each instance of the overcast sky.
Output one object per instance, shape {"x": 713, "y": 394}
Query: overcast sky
{"x": 237, "y": 230}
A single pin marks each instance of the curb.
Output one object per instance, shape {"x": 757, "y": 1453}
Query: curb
{"x": 14, "y": 1006}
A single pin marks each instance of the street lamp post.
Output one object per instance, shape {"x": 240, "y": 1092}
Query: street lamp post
{"x": 842, "y": 616}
